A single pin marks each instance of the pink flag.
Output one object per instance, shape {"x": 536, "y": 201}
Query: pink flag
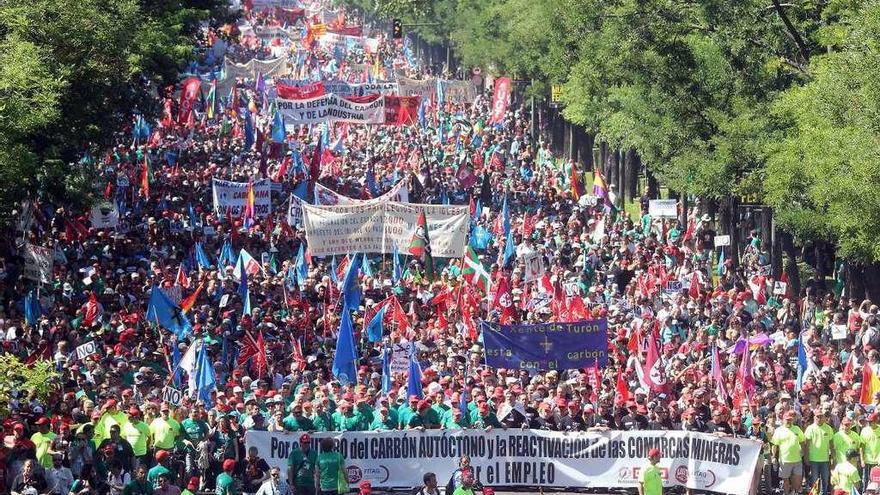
{"x": 655, "y": 375}
{"x": 745, "y": 382}
{"x": 718, "y": 376}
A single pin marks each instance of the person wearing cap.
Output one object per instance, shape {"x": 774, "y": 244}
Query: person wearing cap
{"x": 650, "y": 478}
{"x": 164, "y": 429}
{"x": 163, "y": 458}
{"x": 455, "y": 420}
{"x": 382, "y": 420}
{"x": 193, "y": 431}
{"x": 404, "y": 413}
{"x": 322, "y": 419}
{"x": 301, "y": 466}
{"x": 845, "y": 475}
{"x": 119, "y": 449}
{"x": 192, "y": 486}
{"x": 137, "y": 432}
{"x": 225, "y": 484}
{"x": 468, "y": 483}
{"x": 818, "y": 437}
{"x": 787, "y": 445}
{"x": 344, "y": 419}
{"x": 42, "y": 440}
{"x": 844, "y": 440}
{"x": 870, "y": 444}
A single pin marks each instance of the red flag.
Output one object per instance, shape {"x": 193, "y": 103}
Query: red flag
{"x": 145, "y": 180}
{"x": 577, "y": 310}
{"x": 558, "y": 305}
{"x": 253, "y": 348}
{"x": 42, "y": 353}
{"x": 182, "y": 279}
{"x": 189, "y": 301}
{"x": 655, "y": 375}
{"x": 504, "y": 300}
{"x": 527, "y": 226}
{"x": 597, "y": 381}
{"x": 315, "y": 167}
{"x": 758, "y": 286}
{"x": 622, "y": 389}
{"x": 303, "y": 92}
{"x": 689, "y": 232}
{"x": 848, "y": 369}
{"x": 694, "y": 289}
{"x": 634, "y": 344}
{"x": 500, "y": 99}
{"x": 93, "y": 310}
{"x": 108, "y": 191}
{"x": 298, "y": 356}
{"x": 189, "y": 93}
{"x": 402, "y": 110}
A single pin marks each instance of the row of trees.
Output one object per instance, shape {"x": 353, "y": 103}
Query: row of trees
{"x": 72, "y": 72}
{"x": 767, "y": 99}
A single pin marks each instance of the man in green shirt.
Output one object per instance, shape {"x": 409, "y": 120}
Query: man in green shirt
{"x": 225, "y": 484}
{"x": 818, "y": 437}
{"x": 296, "y": 421}
{"x": 382, "y": 421}
{"x": 137, "y": 433}
{"x": 301, "y": 466}
{"x": 870, "y": 442}
{"x": 328, "y": 465}
{"x": 159, "y": 469}
{"x": 467, "y": 483}
{"x": 404, "y": 413}
{"x": 164, "y": 429}
{"x": 787, "y": 444}
{"x": 845, "y": 476}
{"x": 454, "y": 420}
{"x": 845, "y": 440}
{"x": 322, "y": 420}
{"x": 483, "y": 417}
{"x": 344, "y": 419}
{"x": 650, "y": 479}
{"x": 43, "y": 441}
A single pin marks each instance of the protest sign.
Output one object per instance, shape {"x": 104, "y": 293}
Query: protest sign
{"x": 400, "y": 357}
{"x": 722, "y": 240}
{"x": 546, "y": 346}
{"x": 294, "y": 211}
{"x": 345, "y": 89}
{"x": 326, "y": 196}
{"x": 779, "y": 288}
{"x": 529, "y": 458}
{"x": 663, "y": 208}
{"x": 172, "y": 395}
{"x": 232, "y": 196}
{"x": 426, "y": 88}
{"x": 86, "y": 350}
{"x": 300, "y": 92}
{"x": 459, "y": 92}
{"x": 500, "y": 99}
{"x": 838, "y": 332}
{"x": 38, "y": 263}
{"x": 534, "y": 266}
{"x": 331, "y": 108}
{"x": 104, "y": 216}
{"x": 377, "y": 227}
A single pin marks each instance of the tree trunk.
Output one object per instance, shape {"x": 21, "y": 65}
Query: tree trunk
{"x": 775, "y": 248}
{"x": 683, "y": 211}
{"x": 786, "y": 242}
{"x": 603, "y": 159}
{"x": 819, "y": 248}
{"x": 653, "y": 185}
{"x": 585, "y": 149}
{"x": 621, "y": 176}
{"x": 612, "y": 168}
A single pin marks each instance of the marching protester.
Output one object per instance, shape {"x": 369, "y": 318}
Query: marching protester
{"x": 212, "y": 306}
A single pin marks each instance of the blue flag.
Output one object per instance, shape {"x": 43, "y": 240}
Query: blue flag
{"x": 227, "y": 257}
{"x": 721, "y": 270}
{"x": 278, "y": 134}
{"x": 32, "y": 308}
{"x": 333, "y": 277}
{"x": 414, "y": 383}
{"x": 509, "y": 248}
{"x": 371, "y": 182}
{"x": 205, "y": 380}
{"x": 398, "y": 270}
{"x": 244, "y": 292}
{"x": 374, "y": 329}
{"x": 302, "y": 269}
{"x": 167, "y": 314}
{"x": 299, "y": 165}
{"x": 480, "y": 238}
{"x": 463, "y": 401}
{"x": 344, "y": 360}
{"x": 301, "y": 190}
{"x": 386, "y": 370}
{"x": 478, "y": 209}
{"x": 441, "y": 95}
{"x": 366, "y": 267}
{"x": 201, "y": 256}
{"x": 351, "y": 289}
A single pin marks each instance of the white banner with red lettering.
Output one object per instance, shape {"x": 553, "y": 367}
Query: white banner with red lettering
{"x": 331, "y": 108}
{"x": 535, "y": 458}
{"x": 377, "y": 227}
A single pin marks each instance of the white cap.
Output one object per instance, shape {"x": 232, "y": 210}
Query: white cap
{"x": 237, "y": 390}
{"x": 873, "y": 486}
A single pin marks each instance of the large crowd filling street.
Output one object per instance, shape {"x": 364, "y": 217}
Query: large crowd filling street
{"x": 189, "y": 309}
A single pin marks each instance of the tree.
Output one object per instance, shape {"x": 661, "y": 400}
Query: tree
{"x": 39, "y": 378}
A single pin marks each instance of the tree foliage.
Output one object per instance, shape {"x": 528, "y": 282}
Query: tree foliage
{"x": 39, "y": 379}
{"x": 72, "y": 73}
{"x": 767, "y": 99}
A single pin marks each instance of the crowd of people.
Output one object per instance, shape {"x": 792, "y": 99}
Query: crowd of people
{"x": 741, "y": 354}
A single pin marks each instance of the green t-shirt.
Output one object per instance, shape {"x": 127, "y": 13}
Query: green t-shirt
{"x": 43, "y": 441}
{"x": 819, "y": 442}
{"x": 304, "y": 466}
{"x": 383, "y": 424}
{"x": 154, "y": 473}
{"x": 225, "y": 485}
{"x": 463, "y": 491}
{"x": 164, "y": 432}
{"x": 329, "y": 464}
{"x": 135, "y": 487}
{"x": 292, "y": 423}
{"x": 845, "y": 476}
{"x": 651, "y": 480}
{"x": 194, "y": 429}
{"x": 788, "y": 439}
{"x": 844, "y": 442}
{"x": 323, "y": 422}
{"x": 871, "y": 444}
{"x": 137, "y": 435}
{"x": 341, "y": 422}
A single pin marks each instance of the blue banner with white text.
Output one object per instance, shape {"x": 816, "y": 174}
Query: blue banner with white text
{"x": 548, "y": 346}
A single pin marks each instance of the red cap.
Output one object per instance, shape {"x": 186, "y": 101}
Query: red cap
{"x": 161, "y": 455}
{"x": 413, "y": 398}
{"x": 305, "y": 438}
{"x": 42, "y": 421}
{"x": 133, "y": 411}
{"x": 229, "y": 465}
{"x": 655, "y": 452}
{"x": 193, "y": 484}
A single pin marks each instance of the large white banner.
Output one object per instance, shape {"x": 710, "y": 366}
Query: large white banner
{"x": 426, "y": 88}
{"x": 268, "y": 68}
{"x": 377, "y": 227}
{"x": 459, "y": 92}
{"x": 328, "y": 197}
{"x": 233, "y": 196}
{"x": 331, "y": 108}
{"x": 104, "y": 215}
{"x": 507, "y": 458}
